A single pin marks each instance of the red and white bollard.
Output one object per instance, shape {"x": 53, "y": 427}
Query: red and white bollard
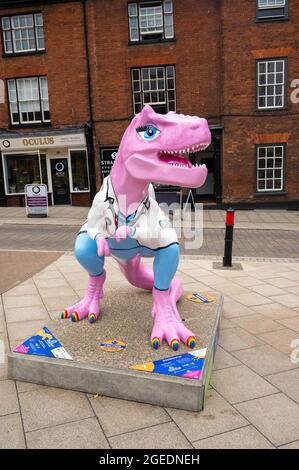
{"x": 229, "y": 232}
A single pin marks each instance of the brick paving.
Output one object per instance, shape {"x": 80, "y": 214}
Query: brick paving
{"x": 253, "y": 401}
{"x": 19, "y": 266}
{"x": 249, "y": 243}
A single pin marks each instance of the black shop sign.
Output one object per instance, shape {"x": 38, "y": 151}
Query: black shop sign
{"x": 107, "y": 157}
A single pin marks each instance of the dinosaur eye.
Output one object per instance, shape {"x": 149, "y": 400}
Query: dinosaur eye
{"x": 148, "y": 132}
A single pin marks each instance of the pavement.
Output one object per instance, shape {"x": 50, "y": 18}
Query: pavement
{"x": 253, "y": 401}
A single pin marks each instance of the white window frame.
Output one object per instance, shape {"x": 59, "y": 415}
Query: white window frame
{"x": 71, "y": 170}
{"x": 135, "y": 15}
{"x": 15, "y": 82}
{"x": 271, "y": 4}
{"x": 166, "y": 78}
{"x": 272, "y": 169}
{"x": 268, "y": 84}
{"x": 11, "y": 31}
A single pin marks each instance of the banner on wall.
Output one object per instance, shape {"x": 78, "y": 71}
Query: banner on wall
{"x": 36, "y": 196}
{"x": 107, "y": 157}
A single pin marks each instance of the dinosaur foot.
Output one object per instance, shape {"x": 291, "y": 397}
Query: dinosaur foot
{"x": 85, "y": 308}
{"x": 168, "y": 324}
{"x": 89, "y": 306}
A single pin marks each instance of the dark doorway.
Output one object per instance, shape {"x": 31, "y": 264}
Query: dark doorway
{"x": 211, "y": 157}
{"x": 60, "y": 181}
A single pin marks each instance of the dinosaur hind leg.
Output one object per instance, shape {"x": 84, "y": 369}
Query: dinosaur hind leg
{"x": 142, "y": 277}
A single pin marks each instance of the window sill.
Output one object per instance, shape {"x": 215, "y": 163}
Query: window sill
{"x": 22, "y": 54}
{"x": 151, "y": 41}
{"x": 29, "y": 126}
{"x": 273, "y": 18}
{"x": 267, "y": 110}
{"x": 270, "y": 193}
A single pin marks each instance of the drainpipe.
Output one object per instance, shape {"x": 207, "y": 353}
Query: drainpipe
{"x": 89, "y": 126}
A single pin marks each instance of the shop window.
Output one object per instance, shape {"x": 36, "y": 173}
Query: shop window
{"x": 270, "y": 168}
{"x": 271, "y": 10}
{"x": 271, "y": 83}
{"x": 29, "y": 100}
{"x": 21, "y": 170}
{"x": 150, "y": 21}
{"x": 79, "y": 170}
{"x": 154, "y": 86}
{"x": 23, "y": 33}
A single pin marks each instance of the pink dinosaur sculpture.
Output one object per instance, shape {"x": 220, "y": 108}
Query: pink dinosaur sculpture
{"x": 126, "y": 222}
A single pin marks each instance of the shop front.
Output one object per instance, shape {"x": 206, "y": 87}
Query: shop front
{"x": 58, "y": 160}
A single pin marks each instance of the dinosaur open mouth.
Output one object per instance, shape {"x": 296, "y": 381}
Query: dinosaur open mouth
{"x": 180, "y": 158}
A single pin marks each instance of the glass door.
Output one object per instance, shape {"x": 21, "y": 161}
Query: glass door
{"x": 60, "y": 181}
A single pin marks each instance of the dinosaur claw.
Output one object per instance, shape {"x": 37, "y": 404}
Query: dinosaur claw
{"x": 155, "y": 343}
{"x": 75, "y": 317}
{"x": 175, "y": 344}
{"x": 92, "y": 318}
{"x": 191, "y": 341}
{"x": 64, "y": 314}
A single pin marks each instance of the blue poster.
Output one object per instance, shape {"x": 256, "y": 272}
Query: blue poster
{"x": 187, "y": 365}
{"x": 43, "y": 343}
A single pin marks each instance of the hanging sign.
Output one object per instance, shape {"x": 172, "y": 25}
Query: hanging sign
{"x": 108, "y": 156}
{"x": 36, "y": 196}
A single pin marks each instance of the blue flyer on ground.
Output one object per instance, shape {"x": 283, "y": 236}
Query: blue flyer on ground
{"x": 43, "y": 343}
{"x": 187, "y": 365}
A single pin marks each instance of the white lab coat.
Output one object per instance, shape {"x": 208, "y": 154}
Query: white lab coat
{"x": 150, "y": 227}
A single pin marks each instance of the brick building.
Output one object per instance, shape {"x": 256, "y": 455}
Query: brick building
{"x": 75, "y": 72}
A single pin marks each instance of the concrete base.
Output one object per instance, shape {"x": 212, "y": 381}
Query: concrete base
{"x": 125, "y": 316}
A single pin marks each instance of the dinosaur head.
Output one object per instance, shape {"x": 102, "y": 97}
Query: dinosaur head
{"x": 155, "y": 148}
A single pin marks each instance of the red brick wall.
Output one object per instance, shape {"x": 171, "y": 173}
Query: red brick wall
{"x": 80, "y": 199}
{"x": 64, "y": 64}
{"x": 196, "y": 25}
{"x": 243, "y": 42}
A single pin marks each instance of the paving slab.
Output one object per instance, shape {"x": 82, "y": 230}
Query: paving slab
{"x": 275, "y": 416}
{"x": 244, "y": 438}
{"x": 256, "y": 324}
{"x": 281, "y": 339}
{"x": 163, "y": 436}
{"x": 8, "y": 398}
{"x": 122, "y": 416}
{"x": 11, "y": 432}
{"x": 291, "y": 445}
{"x": 48, "y": 407}
{"x": 218, "y": 417}
{"x": 84, "y": 434}
{"x": 287, "y": 382}
{"x": 233, "y": 339}
{"x": 125, "y": 316}
{"x": 237, "y": 384}
{"x": 264, "y": 360}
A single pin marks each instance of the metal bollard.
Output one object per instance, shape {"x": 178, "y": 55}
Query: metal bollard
{"x": 229, "y": 231}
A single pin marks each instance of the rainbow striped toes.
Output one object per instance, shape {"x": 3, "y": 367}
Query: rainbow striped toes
{"x": 191, "y": 341}
{"x": 64, "y": 315}
{"x": 175, "y": 344}
{"x": 92, "y": 318}
{"x": 75, "y": 316}
{"x": 155, "y": 343}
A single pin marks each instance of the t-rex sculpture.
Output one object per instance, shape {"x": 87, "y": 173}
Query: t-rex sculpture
{"x": 126, "y": 222}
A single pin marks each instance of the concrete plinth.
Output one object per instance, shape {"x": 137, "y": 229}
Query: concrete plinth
{"x": 126, "y": 317}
